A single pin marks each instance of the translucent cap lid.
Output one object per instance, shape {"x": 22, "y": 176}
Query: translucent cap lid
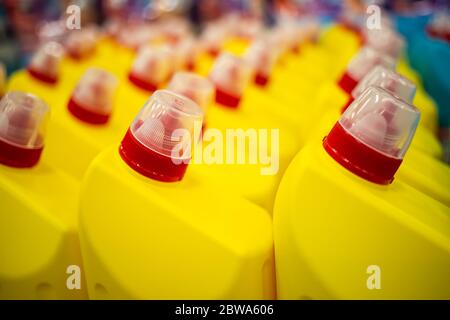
{"x": 80, "y": 43}
{"x": 95, "y": 91}
{"x": 261, "y": 57}
{"x": 152, "y": 64}
{"x": 365, "y": 60}
{"x": 46, "y": 60}
{"x": 387, "y": 41}
{"x": 231, "y": 74}
{"x": 167, "y": 124}
{"x": 389, "y": 80}
{"x": 382, "y": 121}
{"x": 23, "y": 119}
{"x": 193, "y": 86}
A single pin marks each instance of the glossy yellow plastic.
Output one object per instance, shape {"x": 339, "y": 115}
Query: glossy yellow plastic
{"x": 338, "y": 236}
{"x": 236, "y": 45}
{"x": 145, "y": 239}
{"x": 426, "y": 105}
{"x": 39, "y": 234}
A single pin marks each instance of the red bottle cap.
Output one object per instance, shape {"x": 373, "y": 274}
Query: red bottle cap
{"x": 387, "y": 79}
{"x": 159, "y": 141}
{"x": 151, "y": 68}
{"x": 44, "y": 66}
{"x": 230, "y": 75}
{"x": 360, "y": 65}
{"x": 23, "y": 119}
{"x": 92, "y": 100}
{"x": 372, "y": 136}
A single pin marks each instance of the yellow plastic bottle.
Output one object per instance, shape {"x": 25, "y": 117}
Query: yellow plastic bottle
{"x": 431, "y": 178}
{"x": 151, "y": 230}
{"x": 344, "y": 230}
{"x": 39, "y": 246}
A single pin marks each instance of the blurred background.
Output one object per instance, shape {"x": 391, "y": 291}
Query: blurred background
{"x": 25, "y": 24}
